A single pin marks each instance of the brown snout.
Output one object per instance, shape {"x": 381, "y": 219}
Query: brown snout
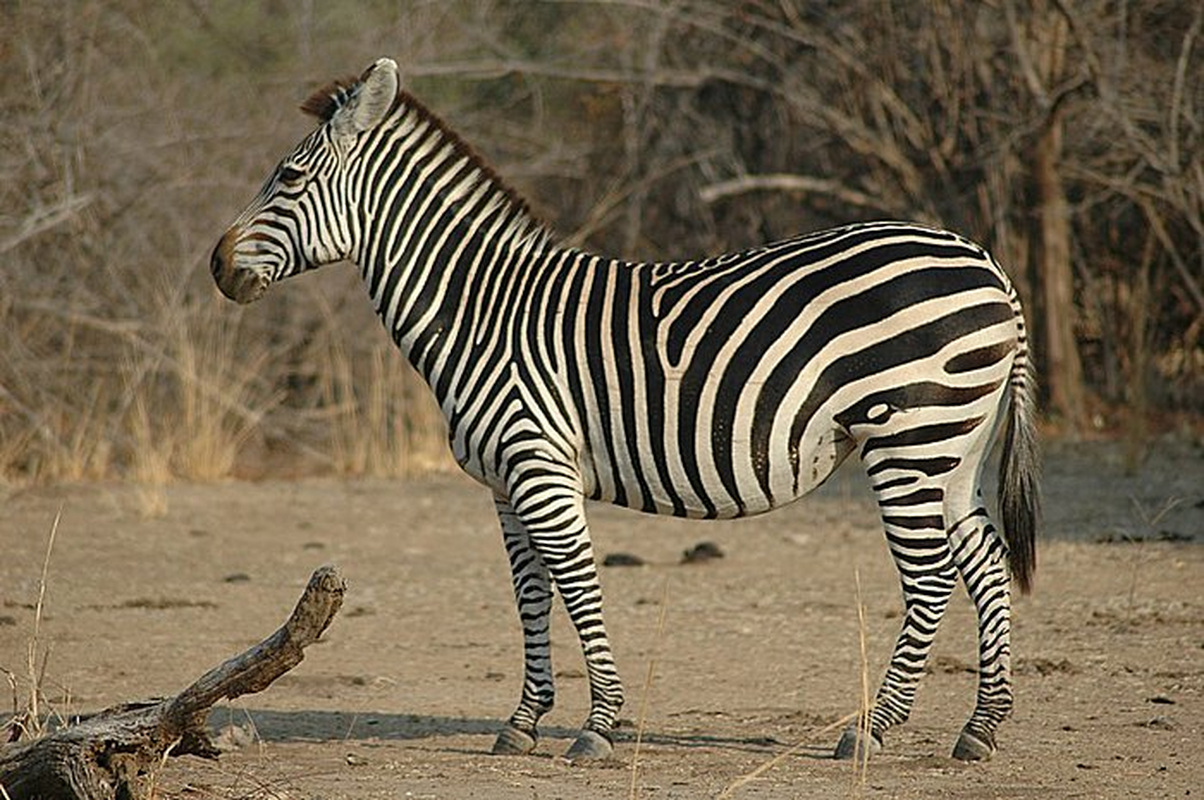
{"x": 239, "y": 284}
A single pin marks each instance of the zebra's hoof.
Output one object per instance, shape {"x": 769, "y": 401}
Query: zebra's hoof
{"x": 513, "y": 742}
{"x": 972, "y": 748}
{"x": 590, "y": 746}
{"x": 853, "y": 745}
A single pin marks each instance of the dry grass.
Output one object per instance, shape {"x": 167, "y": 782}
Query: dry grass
{"x": 36, "y": 674}
{"x": 798, "y": 747}
{"x": 861, "y": 759}
{"x": 150, "y": 463}
{"x": 220, "y": 397}
{"x": 641, "y": 717}
{"x": 860, "y": 764}
{"x": 382, "y": 420}
{"x": 1148, "y": 521}
{"x": 190, "y": 405}
{"x": 30, "y": 716}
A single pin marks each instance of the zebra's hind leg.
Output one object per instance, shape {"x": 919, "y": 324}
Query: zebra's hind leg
{"x": 980, "y": 555}
{"x": 533, "y": 594}
{"x": 925, "y": 600}
{"x": 914, "y": 523}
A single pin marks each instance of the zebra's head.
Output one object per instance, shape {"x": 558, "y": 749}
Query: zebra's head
{"x": 301, "y": 218}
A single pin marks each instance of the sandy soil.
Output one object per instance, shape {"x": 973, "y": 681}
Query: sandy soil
{"x": 758, "y": 653}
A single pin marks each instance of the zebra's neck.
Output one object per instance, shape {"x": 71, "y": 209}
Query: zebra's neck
{"x": 441, "y": 235}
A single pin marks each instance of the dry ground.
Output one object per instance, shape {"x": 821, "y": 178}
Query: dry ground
{"x": 759, "y": 650}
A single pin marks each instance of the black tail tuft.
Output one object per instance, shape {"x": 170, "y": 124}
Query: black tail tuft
{"x": 1019, "y": 493}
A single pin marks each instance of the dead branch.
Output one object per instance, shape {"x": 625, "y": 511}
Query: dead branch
{"x": 787, "y": 183}
{"x": 1168, "y": 245}
{"x": 113, "y": 753}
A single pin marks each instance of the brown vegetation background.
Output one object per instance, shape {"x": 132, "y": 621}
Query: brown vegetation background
{"x": 1066, "y": 135}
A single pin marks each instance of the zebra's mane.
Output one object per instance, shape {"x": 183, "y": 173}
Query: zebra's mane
{"x": 330, "y": 98}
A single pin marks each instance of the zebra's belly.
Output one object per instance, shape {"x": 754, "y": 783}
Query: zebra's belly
{"x": 661, "y": 487}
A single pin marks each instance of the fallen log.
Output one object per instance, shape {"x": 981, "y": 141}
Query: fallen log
{"x": 114, "y": 753}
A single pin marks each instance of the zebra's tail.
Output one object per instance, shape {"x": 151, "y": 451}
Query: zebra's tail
{"x": 1019, "y": 493}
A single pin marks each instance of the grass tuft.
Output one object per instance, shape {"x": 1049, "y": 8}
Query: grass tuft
{"x": 861, "y": 759}
{"x": 29, "y": 720}
{"x": 634, "y": 791}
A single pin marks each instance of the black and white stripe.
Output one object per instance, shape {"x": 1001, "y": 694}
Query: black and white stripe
{"x": 711, "y": 389}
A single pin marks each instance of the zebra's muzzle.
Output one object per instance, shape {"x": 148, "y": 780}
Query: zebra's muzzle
{"x": 239, "y": 284}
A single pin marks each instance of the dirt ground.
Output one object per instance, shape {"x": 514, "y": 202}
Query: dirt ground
{"x": 758, "y": 654}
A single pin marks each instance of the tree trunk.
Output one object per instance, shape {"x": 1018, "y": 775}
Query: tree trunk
{"x": 1063, "y": 368}
{"x": 114, "y": 753}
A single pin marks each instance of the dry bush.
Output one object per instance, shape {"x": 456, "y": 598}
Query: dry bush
{"x": 122, "y": 165}
{"x": 135, "y": 130}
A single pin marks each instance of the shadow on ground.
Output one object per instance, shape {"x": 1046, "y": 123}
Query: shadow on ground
{"x": 325, "y": 726}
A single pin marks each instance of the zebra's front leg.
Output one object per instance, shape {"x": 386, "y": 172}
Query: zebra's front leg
{"x": 548, "y": 502}
{"x": 533, "y": 597}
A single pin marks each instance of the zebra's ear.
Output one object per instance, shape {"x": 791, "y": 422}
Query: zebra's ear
{"x": 368, "y": 106}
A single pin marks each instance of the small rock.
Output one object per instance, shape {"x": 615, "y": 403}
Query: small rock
{"x": 703, "y": 551}
{"x": 1160, "y": 724}
{"x": 622, "y": 560}
{"x": 237, "y": 577}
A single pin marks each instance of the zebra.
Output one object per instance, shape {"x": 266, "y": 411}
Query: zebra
{"x": 718, "y": 388}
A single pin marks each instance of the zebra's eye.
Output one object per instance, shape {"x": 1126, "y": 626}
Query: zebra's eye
{"x": 291, "y": 175}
